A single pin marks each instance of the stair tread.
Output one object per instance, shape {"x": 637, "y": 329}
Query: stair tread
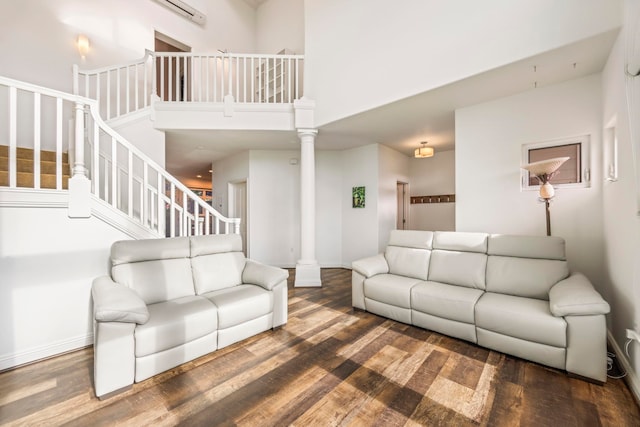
{"x": 27, "y": 165}
{"x": 27, "y": 153}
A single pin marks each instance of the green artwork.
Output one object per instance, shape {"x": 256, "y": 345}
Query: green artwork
{"x": 358, "y": 197}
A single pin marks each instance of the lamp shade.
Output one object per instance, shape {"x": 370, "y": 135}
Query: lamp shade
{"x": 423, "y": 151}
{"x": 544, "y": 171}
{"x": 545, "y": 167}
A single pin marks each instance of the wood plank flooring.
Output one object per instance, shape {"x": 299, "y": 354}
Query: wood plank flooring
{"x": 330, "y": 365}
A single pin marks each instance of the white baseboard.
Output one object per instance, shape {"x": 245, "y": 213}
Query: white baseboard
{"x": 621, "y": 357}
{"x": 8, "y": 361}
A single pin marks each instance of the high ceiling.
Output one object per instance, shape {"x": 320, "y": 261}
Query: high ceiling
{"x": 254, "y": 3}
{"x": 400, "y": 125}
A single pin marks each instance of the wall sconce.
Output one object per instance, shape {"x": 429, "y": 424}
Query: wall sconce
{"x": 545, "y": 170}
{"x": 83, "y": 45}
{"x": 422, "y": 152}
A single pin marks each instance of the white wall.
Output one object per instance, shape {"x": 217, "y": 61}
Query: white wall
{"x": 433, "y": 176}
{"x": 145, "y": 137}
{"x": 274, "y": 203}
{"x": 329, "y": 205}
{"x": 621, "y": 222}
{"x": 274, "y": 207}
{"x": 280, "y": 25}
{"x": 230, "y": 169}
{"x": 365, "y": 53}
{"x": 48, "y": 263}
{"x": 393, "y": 167}
{"x": 489, "y": 137}
{"x": 37, "y": 37}
{"x": 360, "y": 227}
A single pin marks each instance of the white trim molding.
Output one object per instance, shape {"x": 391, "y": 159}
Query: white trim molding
{"x": 13, "y": 360}
{"x": 632, "y": 377}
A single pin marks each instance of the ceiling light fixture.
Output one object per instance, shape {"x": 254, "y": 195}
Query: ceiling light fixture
{"x": 422, "y": 152}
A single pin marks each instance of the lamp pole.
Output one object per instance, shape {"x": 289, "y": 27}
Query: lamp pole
{"x": 546, "y": 206}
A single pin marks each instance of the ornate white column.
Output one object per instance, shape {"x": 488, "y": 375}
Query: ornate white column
{"x": 307, "y": 268}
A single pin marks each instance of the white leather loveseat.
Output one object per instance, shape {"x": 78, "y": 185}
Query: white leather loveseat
{"x": 513, "y": 294}
{"x": 172, "y": 300}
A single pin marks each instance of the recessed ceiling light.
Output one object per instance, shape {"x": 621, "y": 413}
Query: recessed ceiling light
{"x": 198, "y": 176}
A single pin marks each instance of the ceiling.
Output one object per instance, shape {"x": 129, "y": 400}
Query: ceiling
{"x": 254, "y": 3}
{"x": 403, "y": 124}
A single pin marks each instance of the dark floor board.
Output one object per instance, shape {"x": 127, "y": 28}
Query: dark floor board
{"x": 330, "y": 364}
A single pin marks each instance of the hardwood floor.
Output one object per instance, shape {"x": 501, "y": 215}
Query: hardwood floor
{"x": 330, "y": 365}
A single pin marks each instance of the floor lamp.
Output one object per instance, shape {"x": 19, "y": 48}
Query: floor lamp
{"x": 544, "y": 170}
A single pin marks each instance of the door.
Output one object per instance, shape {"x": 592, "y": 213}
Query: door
{"x": 170, "y": 72}
{"x": 238, "y": 209}
{"x": 402, "y": 215}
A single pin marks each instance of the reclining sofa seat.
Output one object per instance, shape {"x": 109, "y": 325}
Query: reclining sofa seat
{"x": 172, "y": 300}
{"x": 513, "y": 294}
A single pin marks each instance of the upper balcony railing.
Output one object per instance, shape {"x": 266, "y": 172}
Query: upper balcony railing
{"x": 192, "y": 78}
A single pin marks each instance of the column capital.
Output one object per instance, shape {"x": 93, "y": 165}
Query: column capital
{"x": 307, "y": 132}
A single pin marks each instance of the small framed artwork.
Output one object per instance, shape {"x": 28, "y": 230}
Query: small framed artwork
{"x": 358, "y": 197}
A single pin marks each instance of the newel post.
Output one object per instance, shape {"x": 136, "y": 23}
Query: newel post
{"x": 79, "y": 184}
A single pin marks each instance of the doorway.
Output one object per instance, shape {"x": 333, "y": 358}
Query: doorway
{"x": 402, "y": 216}
{"x": 238, "y": 209}
{"x": 170, "y": 72}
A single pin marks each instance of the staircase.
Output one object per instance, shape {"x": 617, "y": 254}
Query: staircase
{"x": 108, "y": 169}
{"x": 25, "y": 164}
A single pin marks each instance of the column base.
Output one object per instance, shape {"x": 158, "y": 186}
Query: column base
{"x": 307, "y": 275}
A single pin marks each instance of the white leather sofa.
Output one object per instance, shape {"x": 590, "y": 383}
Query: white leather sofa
{"x": 513, "y": 294}
{"x": 172, "y": 300}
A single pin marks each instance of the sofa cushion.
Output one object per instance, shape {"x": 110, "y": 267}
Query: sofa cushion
{"x": 460, "y": 241}
{"x": 240, "y": 304}
{"x": 523, "y": 318}
{"x": 408, "y": 262}
{"x": 215, "y": 244}
{"x": 525, "y": 277}
{"x": 217, "y": 261}
{"x": 390, "y": 289}
{"x": 446, "y": 301}
{"x": 156, "y": 281}
{"x": 411, "y": 239}
{"x": 542, "y": 247}
{"x": 458, "y": 268}
{"x": 128, "y": 251}
{"x": 173, "y": 323}
{"x": 157, "y": 269}
{"x": 217, "y": 271}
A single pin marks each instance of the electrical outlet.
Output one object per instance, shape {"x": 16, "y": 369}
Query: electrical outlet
{"x": 633, "y": 335}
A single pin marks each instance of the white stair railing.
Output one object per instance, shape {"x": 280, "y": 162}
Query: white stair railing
{"x": 34, "y": 121}
{"x": 119, "y": 89}
{"x": 121, "y": 175}
{"x": 191, "y": 77}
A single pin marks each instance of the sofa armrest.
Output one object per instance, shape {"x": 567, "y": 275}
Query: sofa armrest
{"x": 263, "y": 275}
{"x": 113, "y": 302}
{"x": 371, "y": 266}
{"x": 576, "y": 296}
